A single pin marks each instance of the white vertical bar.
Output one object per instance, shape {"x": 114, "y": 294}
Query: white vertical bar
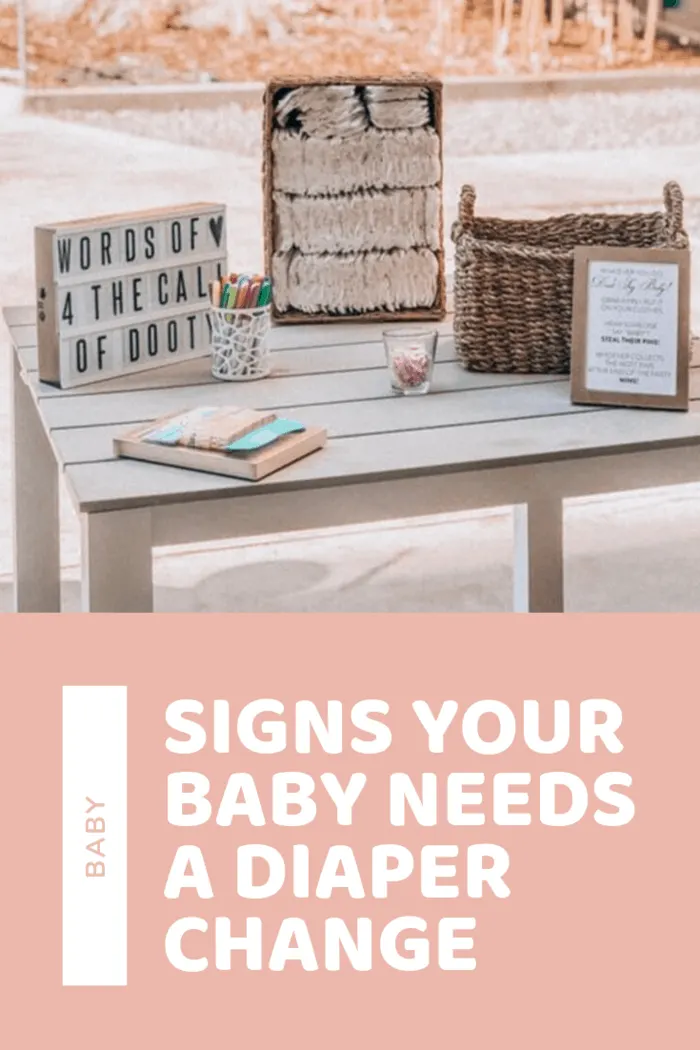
{"x": 94, "y": 836}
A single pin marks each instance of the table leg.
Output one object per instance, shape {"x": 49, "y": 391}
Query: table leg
{"x": 37, "y": 531}
{"x": 117, "y": 562}
{"x": 539, "y": 556}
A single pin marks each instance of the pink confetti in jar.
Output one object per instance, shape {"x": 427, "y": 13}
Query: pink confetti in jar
{"x": 410, "y": 355}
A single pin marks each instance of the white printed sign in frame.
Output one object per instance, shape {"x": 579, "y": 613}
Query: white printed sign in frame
{"x": 124, "y": 293}
{"x": 631, "y": 327}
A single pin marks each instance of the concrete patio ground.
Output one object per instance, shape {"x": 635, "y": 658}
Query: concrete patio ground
{"x": 640, "y": 552}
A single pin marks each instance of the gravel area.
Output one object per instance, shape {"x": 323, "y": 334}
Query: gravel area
{"x": 588, "y": 121}
{"x": 595, "y": 121}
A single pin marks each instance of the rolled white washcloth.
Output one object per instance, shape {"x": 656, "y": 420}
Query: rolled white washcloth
{"x": 356, "y": 222}
{"x": 323, "y": 111}
{"x": 398, "y": 106}
{"x": 377, "y": 159}
{"x": 355, "y": 283}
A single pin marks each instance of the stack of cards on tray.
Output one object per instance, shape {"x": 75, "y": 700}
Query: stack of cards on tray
{"x": 237, "y": 442}
{"x": 241, "y": 291}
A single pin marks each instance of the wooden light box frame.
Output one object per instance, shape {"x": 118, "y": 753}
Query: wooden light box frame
{"x": 106, "y": 265}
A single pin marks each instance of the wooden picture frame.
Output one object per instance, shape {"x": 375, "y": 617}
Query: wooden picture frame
{"x": 434, "y": 312}
{"x": 641, "y": 278}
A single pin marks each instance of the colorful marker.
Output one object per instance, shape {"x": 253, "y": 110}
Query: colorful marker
{"x": 241, "y": 292}
{"x": 265, "y": 292}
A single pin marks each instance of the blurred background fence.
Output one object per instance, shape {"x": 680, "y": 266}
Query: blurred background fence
{"x": 154, "y": 41}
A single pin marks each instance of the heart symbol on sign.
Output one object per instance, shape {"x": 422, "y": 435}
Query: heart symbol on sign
{"x": 217, "y": 228}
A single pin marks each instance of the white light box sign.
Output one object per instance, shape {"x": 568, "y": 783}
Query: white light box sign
{"x": 124, "y": 293}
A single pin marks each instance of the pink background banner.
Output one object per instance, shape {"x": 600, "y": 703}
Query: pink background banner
{"x": 593, "y": 948}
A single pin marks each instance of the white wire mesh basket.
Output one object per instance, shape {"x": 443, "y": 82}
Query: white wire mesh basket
{"x": 239, "y": 343}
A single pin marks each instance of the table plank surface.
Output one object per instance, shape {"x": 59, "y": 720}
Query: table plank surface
{"x": 355, "y": 418}
{"x": 335, "y": 376}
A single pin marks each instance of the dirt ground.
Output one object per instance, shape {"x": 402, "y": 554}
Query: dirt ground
{"x": 162, "y": 48}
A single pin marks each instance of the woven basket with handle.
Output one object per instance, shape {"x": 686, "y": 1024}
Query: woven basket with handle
{"x": 514, "y": 279}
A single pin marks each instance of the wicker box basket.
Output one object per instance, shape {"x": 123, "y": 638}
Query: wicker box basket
{"x": 514, "y": 279}
{"x": 365, "y": 209}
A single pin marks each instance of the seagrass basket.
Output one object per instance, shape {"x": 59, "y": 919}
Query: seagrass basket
{"x": 513, "y": 287}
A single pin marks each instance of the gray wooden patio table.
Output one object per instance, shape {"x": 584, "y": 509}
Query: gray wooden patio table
{"x": 476, "y": 441}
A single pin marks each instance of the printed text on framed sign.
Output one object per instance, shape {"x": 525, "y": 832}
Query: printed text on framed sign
{"x": 631, "y": 328}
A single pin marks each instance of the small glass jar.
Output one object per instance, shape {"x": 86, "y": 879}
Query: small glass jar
{"x": 410, "y": 356}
